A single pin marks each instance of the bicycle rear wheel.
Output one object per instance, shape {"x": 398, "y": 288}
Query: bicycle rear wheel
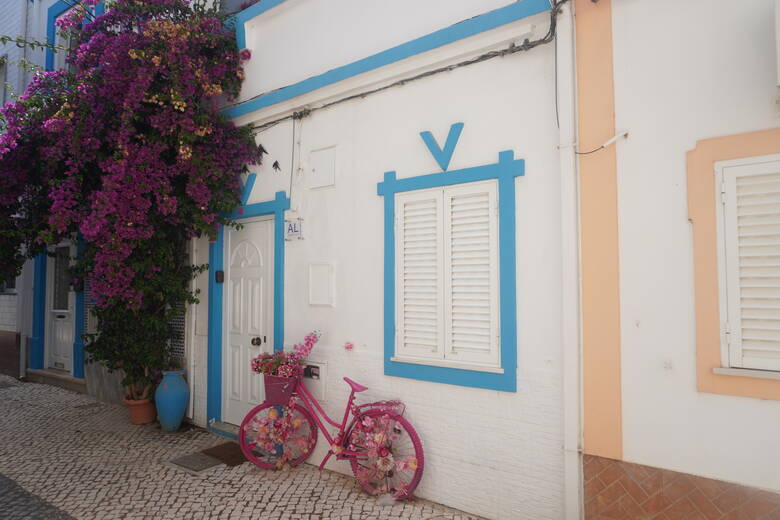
{"x": 271, "y": 436}
{"x": 392, "y": 458}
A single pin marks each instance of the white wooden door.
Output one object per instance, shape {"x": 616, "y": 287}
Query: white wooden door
{"x": 59, "y": 309}
{"x": 248, "y": 315}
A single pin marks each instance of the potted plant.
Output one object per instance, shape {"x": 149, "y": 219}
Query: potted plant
{"x": 135, "y": 343}
{"x": 172, "y": 395}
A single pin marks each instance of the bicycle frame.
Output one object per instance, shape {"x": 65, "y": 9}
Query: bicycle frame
{"x": 313, "y": 406}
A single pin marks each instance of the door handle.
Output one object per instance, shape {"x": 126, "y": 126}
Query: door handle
{"x": 257, "y": 341}
{"x": 61, "y": 316}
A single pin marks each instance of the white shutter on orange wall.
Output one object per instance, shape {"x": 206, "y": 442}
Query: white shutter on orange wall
{"x": 751, "y": 230}
{"x": 419, "y": 281}
{"x": 471, "y": 273}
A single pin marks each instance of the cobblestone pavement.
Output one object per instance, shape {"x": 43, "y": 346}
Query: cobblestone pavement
{"x": 64, "y": 455}
{"x": 16, "y": 503}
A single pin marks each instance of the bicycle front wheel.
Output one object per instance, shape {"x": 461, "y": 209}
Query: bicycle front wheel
{"x": 271, "y": 436}
{"x": 391, "y": 457}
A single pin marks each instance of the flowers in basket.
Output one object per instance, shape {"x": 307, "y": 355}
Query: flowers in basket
{"x": 286, "y": 364}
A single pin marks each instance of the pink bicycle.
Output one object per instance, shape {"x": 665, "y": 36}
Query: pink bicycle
{"x": 383, "y": 449}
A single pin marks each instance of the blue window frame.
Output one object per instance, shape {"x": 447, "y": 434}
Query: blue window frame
{"x": 504, "y": 171}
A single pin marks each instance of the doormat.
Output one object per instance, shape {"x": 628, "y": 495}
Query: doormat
{"x": 194, "y": 463}
{"x": 228, "y": 453}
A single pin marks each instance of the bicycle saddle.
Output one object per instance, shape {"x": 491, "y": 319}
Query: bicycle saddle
{"x": 356, "y": 387}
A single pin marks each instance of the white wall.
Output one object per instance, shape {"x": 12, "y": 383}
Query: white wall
{"x": 321, "y": 35}
{"x": 684, "y": 71}
{"x": 493, "y": 453}
{"x": 12, "y": 24}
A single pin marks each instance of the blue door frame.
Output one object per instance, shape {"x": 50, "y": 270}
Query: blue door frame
{"x": 275, "y": 207}
{"x": 37, "y": 359}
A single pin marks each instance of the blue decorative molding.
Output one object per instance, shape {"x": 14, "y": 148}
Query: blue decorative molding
{"x": 39, "y": 312}
{"x": 505, "y": 171}
{"x": 276, "y": 207}
{"x": 78, "y": 326}
{"x": 443, "y": 156}
{"x": 484, "y": 22}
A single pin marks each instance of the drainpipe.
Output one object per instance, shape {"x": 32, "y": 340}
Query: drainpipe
{"x": 570, "y": 260}
{"x": 22, "y": 76}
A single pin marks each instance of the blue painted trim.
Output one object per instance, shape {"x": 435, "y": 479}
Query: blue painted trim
{"x": 249, "y": 13}
{"x": 505, "y": 170}
{"x": 484, "y": 22}
{"x": 443, "y": 156}
{"x": 246, "y": 191}
{"x": 39, "y": 312}
{"x": 78, "y": 327}
{"x": 54, "y": 12}
{"x": 214, "y": 352}
{"x": 276, "y": 207}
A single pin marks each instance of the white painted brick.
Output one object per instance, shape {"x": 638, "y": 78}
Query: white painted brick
{"x": 8, "y": 312}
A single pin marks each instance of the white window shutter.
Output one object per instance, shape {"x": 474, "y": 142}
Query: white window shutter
{"x": 751, "y": 223}
{"x": 471, "y": 273}
{"x": 419, "y": 267}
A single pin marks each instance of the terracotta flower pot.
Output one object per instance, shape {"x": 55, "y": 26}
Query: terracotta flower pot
{"x": 141, "y": 412}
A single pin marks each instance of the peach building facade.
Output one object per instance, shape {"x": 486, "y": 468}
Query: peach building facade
{"x": 680, "y": 258}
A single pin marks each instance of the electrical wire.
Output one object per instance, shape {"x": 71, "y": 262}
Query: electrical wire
{"x": 527, "y": 45}
{"x": 292, "y": 160}
{"x": 590, "y": 151}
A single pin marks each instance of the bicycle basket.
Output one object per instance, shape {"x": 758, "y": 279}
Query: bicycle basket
{"x": 278, "y": 389}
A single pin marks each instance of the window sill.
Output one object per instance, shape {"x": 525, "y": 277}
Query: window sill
{"x": 449, "y": 364}
{"x": 747, "y": 372}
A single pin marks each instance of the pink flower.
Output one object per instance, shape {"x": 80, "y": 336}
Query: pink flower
{"x": 349, "y": 345}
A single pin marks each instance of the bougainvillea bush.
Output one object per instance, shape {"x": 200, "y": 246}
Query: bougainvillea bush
{"x": 126, "y": 152}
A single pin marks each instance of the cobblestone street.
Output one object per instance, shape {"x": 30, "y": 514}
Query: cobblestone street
{"x": 64, "y": 455}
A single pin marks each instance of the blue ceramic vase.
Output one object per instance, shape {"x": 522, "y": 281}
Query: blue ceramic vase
{"x": 171, "y": 399}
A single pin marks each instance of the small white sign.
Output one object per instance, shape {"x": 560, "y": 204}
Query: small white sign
{"x": 293, "y": 229}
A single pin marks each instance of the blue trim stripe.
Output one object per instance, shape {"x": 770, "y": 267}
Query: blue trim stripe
{"x": 39, "y": 312}
{"x": 484, "y": 22}
{"x": 78, "y": 327}
{"x": 249, "y": 13}
{"x": 505, "y": 170}
{"x": 276, "y": 207}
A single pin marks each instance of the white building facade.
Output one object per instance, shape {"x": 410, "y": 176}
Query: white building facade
{"x": 429, "y": 212}
{"x": 536, "y": 234}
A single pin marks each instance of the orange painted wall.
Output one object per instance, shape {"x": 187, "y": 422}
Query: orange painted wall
{"x": 599, "y": 232}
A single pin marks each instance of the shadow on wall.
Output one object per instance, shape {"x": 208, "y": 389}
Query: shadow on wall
{"x": 102, "y": 384}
